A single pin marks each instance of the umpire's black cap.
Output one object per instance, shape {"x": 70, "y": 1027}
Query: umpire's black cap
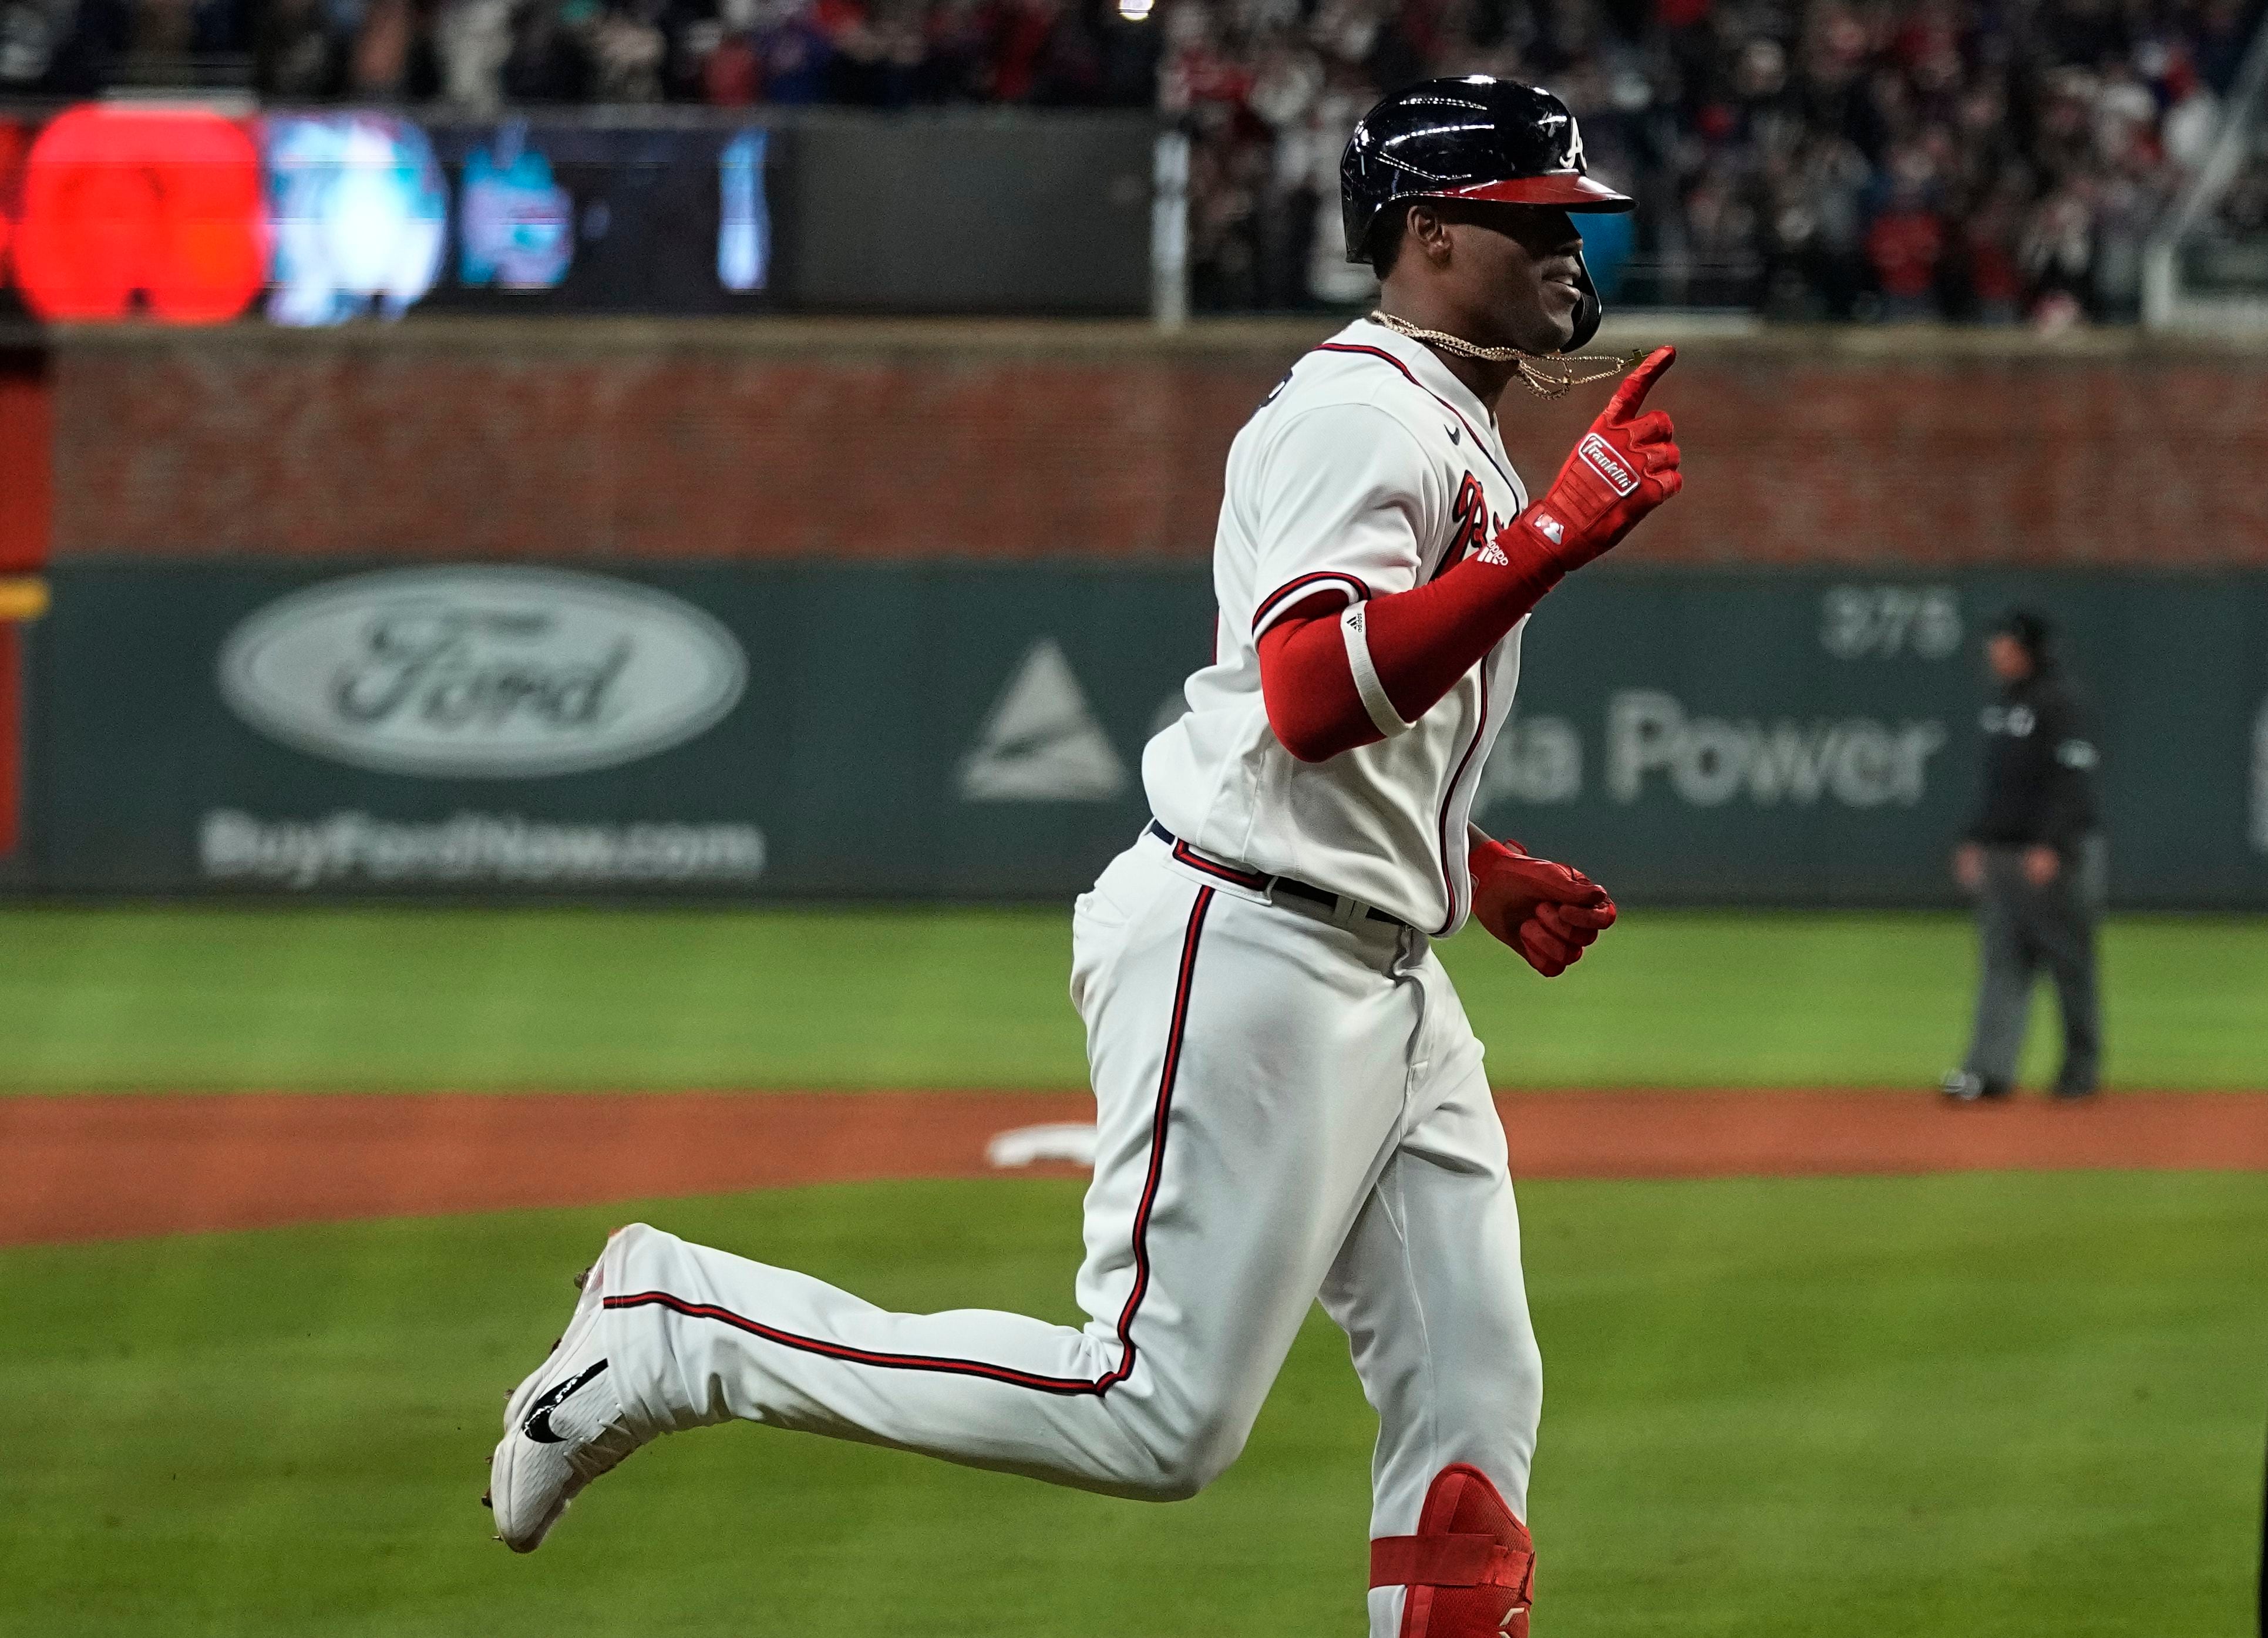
{"x": 2033, "y": 631}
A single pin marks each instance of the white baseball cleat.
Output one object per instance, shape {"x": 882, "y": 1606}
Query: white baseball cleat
{"x": 563, "y": 1428}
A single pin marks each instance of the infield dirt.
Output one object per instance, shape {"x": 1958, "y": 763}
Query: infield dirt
{"x": 117, "y": 1166}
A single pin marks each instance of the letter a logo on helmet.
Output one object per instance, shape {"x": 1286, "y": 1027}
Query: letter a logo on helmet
{"x": 1476, "y": 138}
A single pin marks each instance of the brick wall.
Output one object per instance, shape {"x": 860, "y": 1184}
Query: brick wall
{"x": 519, "y": 441}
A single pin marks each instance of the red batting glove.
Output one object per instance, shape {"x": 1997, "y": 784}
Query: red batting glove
{"x": 1550, "y": 913}
{"x": 1623, "y": 468}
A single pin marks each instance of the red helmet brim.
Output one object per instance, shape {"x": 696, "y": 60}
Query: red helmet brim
{"x": 1569, "y": 190}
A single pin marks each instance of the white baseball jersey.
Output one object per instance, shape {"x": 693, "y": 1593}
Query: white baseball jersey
{"x": 1370, "y": 469}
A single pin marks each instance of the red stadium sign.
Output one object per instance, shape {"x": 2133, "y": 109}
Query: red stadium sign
{"x": 119, "y": 203}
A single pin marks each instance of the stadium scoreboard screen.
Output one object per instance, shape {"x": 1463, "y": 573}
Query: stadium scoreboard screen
{"x": 190, "y": 216}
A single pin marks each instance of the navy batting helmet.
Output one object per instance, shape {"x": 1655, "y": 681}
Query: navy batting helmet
{"x": 1476, "y": 137}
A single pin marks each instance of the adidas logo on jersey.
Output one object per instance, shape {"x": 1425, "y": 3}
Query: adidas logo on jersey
{"x": 1493, "y": 553}
{"x": 1550, "y": 527}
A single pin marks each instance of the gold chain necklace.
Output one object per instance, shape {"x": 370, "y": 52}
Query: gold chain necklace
{"x": 1546, "y": 378}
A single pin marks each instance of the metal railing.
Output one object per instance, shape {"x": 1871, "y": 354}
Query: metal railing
{"x": 2195, "y": 273}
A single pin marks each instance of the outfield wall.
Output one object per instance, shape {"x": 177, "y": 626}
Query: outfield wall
{"x": 790, "y": 730}
{"x": 805, "y": 608}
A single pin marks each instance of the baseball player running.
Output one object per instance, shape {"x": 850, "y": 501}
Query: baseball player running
{"x": 1289, "y": 1100}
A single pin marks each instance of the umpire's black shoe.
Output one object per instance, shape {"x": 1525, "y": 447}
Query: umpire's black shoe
{"x": 1961, "y": 1087}
{"x": 2072, "y": 1092}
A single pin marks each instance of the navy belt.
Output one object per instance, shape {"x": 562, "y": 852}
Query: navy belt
{"x": 1261, "y": 883}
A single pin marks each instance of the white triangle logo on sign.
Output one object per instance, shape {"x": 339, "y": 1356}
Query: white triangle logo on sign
{"x": 1042, "y": 743}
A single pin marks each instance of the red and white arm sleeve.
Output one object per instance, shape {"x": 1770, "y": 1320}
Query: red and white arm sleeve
{"x": 1337, "y": 678}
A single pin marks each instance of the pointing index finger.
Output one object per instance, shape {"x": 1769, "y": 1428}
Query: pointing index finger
{"x": 1630, "y": 397}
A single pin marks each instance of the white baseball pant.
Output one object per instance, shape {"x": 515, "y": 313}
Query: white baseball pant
{"x": 1290, "y": 1104}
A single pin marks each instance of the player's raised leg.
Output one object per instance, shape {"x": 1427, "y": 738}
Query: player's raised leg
{"x": 1250, "y": 1065}
{"x": 1430, "y": 1292}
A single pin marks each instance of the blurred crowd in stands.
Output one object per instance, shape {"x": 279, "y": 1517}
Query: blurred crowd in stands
{"x": 1957, "y": 158}
{"x": 1995, "y": 161}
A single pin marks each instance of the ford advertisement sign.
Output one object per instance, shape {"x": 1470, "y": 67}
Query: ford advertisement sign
{"x": 481, "y": 673}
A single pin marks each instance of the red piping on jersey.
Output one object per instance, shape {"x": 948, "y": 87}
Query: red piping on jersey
{"x": 1379, "y": 352}
{"x": 1449, "y": 797}
{"x": 1189, "y": 856}
{"x": 1275, "y": 598}
{"x": 1066, "y": 1386}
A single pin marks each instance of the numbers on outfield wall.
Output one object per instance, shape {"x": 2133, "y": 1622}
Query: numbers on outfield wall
{"x": 1885, "y": 622}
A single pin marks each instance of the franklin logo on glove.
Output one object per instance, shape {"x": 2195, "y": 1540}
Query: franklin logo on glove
{"x": 1602, "y": 459}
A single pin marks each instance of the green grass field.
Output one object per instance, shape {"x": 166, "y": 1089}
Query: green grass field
{"x": 159, "y": 998}
{"x": 1976, "y": 1405}
{"x": 1985, "y": 1406}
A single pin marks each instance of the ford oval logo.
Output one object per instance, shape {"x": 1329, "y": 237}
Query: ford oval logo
{"x": 481, "y": 673}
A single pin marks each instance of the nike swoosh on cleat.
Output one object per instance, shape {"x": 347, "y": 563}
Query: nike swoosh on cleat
{"x": 537, "y": 1426}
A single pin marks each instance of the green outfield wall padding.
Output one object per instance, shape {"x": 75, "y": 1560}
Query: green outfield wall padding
{"x": 753, "y": 731}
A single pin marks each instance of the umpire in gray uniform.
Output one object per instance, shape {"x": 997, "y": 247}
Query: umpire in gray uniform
{"x": 2035, "y": 861}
